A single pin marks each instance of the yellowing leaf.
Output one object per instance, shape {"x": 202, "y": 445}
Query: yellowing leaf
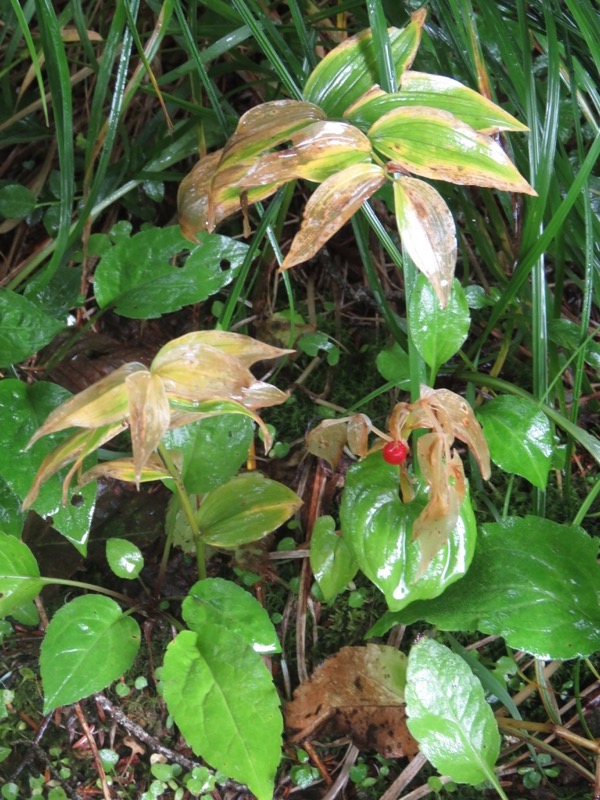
{"x": 262, "y": 395}
{"x": 436, "y": 144}
{"x": 149, "y": 416}
{"x": 200, "y": 372}
{"x": 331, "y": 205}
{"x": 101, "y": 404}
{"x": 433, "y": 91}
{"x": 317, "y": 151}
{"x": 124, "y": 469}
{"x": 244, "y": 348}
{"x": 427, "y": 230}
{"x": 327, "y": 440}
{"x": 75, "y": 448}
{"x": 266, "y": 126}
{"x": 349, "y": 70}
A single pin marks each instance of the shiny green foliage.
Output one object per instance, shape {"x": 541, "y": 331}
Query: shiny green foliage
{"x": 519, "y": 437}
{"x": 449, "y": 716}
{"x": 139, "y": 279}
{"x": 224, "y": 702}
{"x": 220, "y": 602}
{"x": 331, "y": 559}
{"x": 547, "y": 603}
{"x": 89, "y": 643}
{"x": 22, "y": 409}
{"x": 124, "y": 558}
{"x": 24, "y": 328}
{"x": 19, "y": 574}
{"x": 245, "y": 509}
{"x": 378, "y": 527}
{"x": 438, "y": 333}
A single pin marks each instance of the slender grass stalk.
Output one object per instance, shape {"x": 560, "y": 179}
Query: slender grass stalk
{"x": 383, "y": 49}
{"x": 18, "y": 12}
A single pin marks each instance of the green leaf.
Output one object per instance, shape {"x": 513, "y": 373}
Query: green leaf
{"x": 350, "y": 70}
{"x": 223, "y": 700}
{"x": 435, "y": 144}
{"x": 24, "y": 328}
{"x": 219, "y": 602}
{"x": 137, "y": 275}
{"x": 212, "y": 450}
{"x": 449, "y": 716}
{"x": 89, "y": 643}
{"x": 124, "y": 558}
{"x": 378, "y": 526}
{"x": 16, "y": 201}
{"x": 532, "y": 581}
{"x": 23, "y": 409}
{"x": 438, "y": 333}
{"x": 519, "y": 436}
{"x": 245, "y": 509}
{"x": 427, "y": 230}
{"x": 19, "y": 574}
{"x": 11, "y": 517}
{"x": 393, "y": 365}
{"x": 331, "y": 559}
{"x": 434, "y": 91}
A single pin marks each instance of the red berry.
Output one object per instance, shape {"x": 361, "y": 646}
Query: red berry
{"x": 395, "y": 452}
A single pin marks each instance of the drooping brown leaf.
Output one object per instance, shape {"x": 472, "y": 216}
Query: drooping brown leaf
{"x": 358, "y": 693}
{"x": 327, "y": 440}
{"x": 149, "y": 416}
{"x": 331, "y": 206}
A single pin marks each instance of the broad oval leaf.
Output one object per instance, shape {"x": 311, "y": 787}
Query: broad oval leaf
{"x": 244, "y": 348}
{"x": 317, "y": 151}
{"x": 89, "y": 643}
{"x": 331, "y": 559}
{"x": 219, "y": 602}
{"x": 224, "y": 702}
{"x": 331, "y": 205}
{"x": 211, "y": 450}
{"x": 19, "y": 574}
{"x": 138, "y": 279}
{"x": 449, "y": 716}
{"x": 378, "y": 526}
{"x": 393, "y": 365}
{"x": 24, "y": 328}
{"x": 245, "y": 509}
{"x": 434, "y": 91}
{"x": 546, "y": 602}
{"x": 438, "y": 333}
{"x": 427, "y": 230}
{"x": 435, "y": 144}
{"x": 124, "y": 558}
{"x": 350, "y": 69}
{"x": 519, "y": 436}
{"x": 23, "y": 409}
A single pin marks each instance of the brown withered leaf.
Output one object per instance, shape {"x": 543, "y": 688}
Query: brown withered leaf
{"x": 327, "y": 440}
{"x": 358, "y": 693}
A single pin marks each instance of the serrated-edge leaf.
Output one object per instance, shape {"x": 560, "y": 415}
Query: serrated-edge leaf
{"x": 88, "y": 644}
{"x": 223, "y": 700}
{"x": 19, "y": 574}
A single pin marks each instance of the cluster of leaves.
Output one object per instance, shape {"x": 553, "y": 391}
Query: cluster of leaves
{"x": 365, "y": 122}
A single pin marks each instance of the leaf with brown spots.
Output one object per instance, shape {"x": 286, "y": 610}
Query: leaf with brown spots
{"x": 358, "y": 693}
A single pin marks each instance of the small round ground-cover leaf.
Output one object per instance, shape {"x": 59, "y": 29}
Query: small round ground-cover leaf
{"x": 19, "y": 574}
{"x": 124, "y": 558}
{"x": 532, "y": 581}
{"x": 245, "y": 509}
{"x": 519, "y": 436}
{"x": 449, "y": 716}
{"x": 224, "y": 702}
{"x": 222, "y": 602}
{"x": 89, "y": 643}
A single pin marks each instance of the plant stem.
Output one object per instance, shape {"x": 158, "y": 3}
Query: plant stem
{"x": 92, "y": 586}
{"x": 188, "y": 510}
